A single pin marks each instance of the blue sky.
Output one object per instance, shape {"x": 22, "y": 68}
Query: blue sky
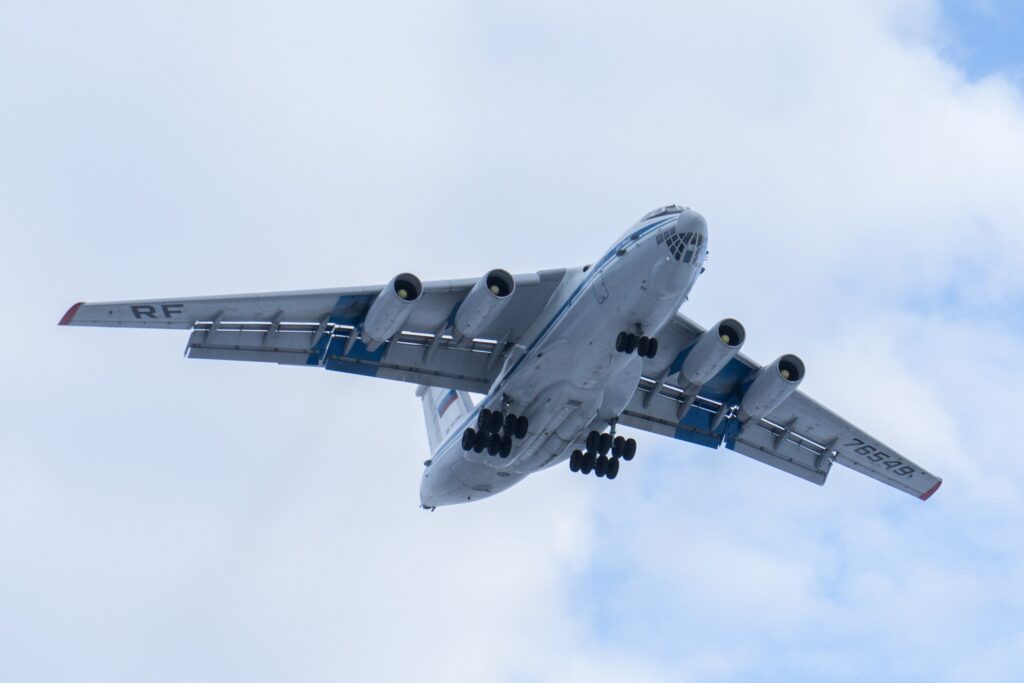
{"x": 986, "y": 36}
{"x": 859, "y": 165}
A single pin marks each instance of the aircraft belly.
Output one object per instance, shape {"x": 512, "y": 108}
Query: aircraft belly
{"x": 572, "y": 380}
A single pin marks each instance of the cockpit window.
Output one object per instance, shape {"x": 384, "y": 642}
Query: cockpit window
{"x": 663, "y": 211}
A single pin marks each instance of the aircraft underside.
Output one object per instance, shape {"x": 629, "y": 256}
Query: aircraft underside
{"x": 564, "y": 359}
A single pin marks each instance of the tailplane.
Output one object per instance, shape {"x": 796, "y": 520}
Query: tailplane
{"x": 443, "y": 411}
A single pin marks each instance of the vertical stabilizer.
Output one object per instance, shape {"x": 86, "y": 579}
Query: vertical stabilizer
{"x": 443, "y": 411}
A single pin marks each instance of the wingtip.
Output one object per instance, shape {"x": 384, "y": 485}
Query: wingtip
{"x": 928, "y": 494}
{"x": 69, "y": 316}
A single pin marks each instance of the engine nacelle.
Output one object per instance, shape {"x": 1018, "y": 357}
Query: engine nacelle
{"x": 391, "y": 309}
{"x": 712, "y": 353}
{"x": 483, "y": 303}
{"x": 773, "y": 385}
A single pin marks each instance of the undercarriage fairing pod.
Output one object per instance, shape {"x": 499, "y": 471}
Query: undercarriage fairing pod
{"x": 773, "y": 385}
{"x": 483, "y": 303}
{"x": 391, "y": 309}
{"x": 712, "y": 352}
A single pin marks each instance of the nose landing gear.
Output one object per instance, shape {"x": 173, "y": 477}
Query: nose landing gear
{"x": 645, "y": 347}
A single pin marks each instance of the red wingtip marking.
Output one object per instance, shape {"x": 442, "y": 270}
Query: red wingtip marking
{"x": 928, "y": 494}
{"x": 70, "y": 314}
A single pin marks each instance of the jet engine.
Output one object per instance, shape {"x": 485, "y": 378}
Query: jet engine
{"x": 391, "y": 309}
{"x": 485, "y": 300}
{"x": 712, "y": 353}
{"x": 773, "y": 385}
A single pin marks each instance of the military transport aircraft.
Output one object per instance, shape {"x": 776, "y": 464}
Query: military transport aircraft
{"x": 563, "y": 359}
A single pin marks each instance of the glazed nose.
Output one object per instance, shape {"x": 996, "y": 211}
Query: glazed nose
{"x": 691, "y": 221}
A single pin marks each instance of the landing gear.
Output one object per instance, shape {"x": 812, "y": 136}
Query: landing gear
{"x": 613, "y": 469}
{"x": 603, "y": 455}
{"x": 587, "y": 463}
{"x": 494, "y": 432}
{"x": 575, "y": 460}
{"x": 628, "y": 450}
{"x": 627, "y": 342}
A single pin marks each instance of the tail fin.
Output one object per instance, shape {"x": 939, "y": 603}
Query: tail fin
{"x": 443, "y": 410}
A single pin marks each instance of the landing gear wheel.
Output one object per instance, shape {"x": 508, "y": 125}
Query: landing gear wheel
{"x": 483, "y": 421}
{"x": 630, "y": 343}
{"x": 617, "y": 445}
{"x": 593, "y": 439}
{"x": 652, "y": 348}
{"x": 643, "y": 346}
{"x": 629, "y": 450}
{"x": 481, "y": 442}
{"x": 493, "y": 444}
{"x": 620, "y": 341}
{"x": 601, "y": 465}
{"x": 468, "y": 439}
{"x": 522, "y": 426}
{"x": 506, "y": 446}
{"x": 497, "y": 420}
{"x": 587, "y": 464}
{"x": 509, "y": 427}
{"x": 613, "y": 469}
{"x": 575, "y": 460}
{"x": 604, "y": 444}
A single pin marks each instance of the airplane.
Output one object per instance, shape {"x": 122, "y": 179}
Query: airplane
{"x": 563, "y": 359}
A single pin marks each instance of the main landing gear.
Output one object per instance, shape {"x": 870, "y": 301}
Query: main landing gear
{"x": 596, "y": 458}
{"x": 494, "y": 432}
{"x": 627, "y": 342}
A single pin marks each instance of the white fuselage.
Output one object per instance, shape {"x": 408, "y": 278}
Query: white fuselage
{"x": 566, "y": 375}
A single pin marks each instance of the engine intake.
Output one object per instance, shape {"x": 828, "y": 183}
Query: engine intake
{"x": 391, "y": 309}
{"x": 773, "y": 385}
{"x": 482, "y": 305}
{"x": 712, "y": 352}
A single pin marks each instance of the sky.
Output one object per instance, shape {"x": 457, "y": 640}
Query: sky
{"x": 861, "y": 168}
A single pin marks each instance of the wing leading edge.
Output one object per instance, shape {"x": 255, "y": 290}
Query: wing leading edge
{"x": 800, "y": 437}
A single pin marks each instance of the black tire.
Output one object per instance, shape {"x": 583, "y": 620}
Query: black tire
{"x": 575, "y": 460}
{"x": 593, "y": 439}
{"x": 613, "y": 469}
{"x": 630, "y": 343}
{"x": 468, "y": 439}
{"x": 601, "y": 465}
{"x": 587, "y": 464}
{"x": 629, "y": 450}
{"x": 620, "y": 342}
{"x": 497, "y": 420}
{"x": 652, "y": 348}
{"x": 481, "y": 442}
{"x": 506, "y": 446}
{"x": 522, "y": 426}
{"x": 483, "y": 421}
{"x": 643, "y": 346}
{"x": 617, "y": 445}
{"x": 493, "y": 444}
{"x": 604, "y": 443}
{"x": 509, "y": 426}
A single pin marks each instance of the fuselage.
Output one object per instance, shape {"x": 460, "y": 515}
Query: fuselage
{"x": 566, "y": 375}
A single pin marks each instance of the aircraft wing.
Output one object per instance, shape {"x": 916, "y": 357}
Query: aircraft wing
{"x": 320, "y": 328}
{"x": 800, "y": 437}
